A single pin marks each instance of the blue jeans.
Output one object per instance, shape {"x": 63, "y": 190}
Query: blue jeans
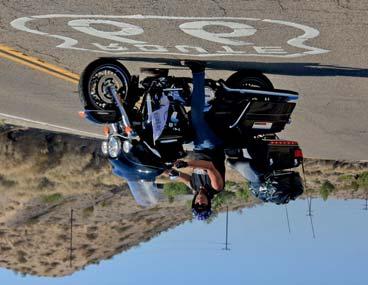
{"x": 205, "y": 138}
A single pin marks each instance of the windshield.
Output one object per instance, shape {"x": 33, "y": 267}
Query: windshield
{"x": 145, "y": 193}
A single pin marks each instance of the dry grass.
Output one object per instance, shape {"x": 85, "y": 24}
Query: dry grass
{"x": 105, "y": 223}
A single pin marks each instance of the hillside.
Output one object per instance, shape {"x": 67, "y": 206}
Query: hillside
{"x": 43, "y": 176}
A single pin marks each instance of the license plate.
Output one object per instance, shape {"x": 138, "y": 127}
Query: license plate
{"x": 262, "y": 125}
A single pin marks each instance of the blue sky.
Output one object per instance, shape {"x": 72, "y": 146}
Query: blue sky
{"x": 262, "y": 251}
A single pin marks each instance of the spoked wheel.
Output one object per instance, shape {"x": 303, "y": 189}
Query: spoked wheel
{"x": 95, "y": 81}
{"x": 249, "y": 79}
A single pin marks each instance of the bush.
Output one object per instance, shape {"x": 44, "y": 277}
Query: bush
{"x": 230, "y": 184}
{"x": 88, "y": 211}
{"x": 53, "y": 198}
{"x": 221, "y": 199}
{"x": 345, "y": 178}
{"x": 363, "y": 180}
{"x": 21, "y": 256}
{"x": 326, "y": 189}
{"x": 45, "y": 184}
{"x": 6, "y": 182}
{"x": 173, "y": 189}
{"x": 354, "y": 185}
{"x": 241, "y": 189}
{"x": 243, "y": 194}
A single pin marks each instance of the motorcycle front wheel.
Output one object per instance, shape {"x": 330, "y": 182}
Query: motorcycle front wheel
{"x": 249, "y": 79}
{"x": 93, "y": 88}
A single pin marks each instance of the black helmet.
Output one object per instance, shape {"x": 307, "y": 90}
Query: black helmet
{"x": 279, "y": 187}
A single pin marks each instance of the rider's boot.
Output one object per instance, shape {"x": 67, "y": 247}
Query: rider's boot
{"x": 194, "y": 65}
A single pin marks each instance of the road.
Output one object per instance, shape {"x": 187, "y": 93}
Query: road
{"x": 317, "y": 48}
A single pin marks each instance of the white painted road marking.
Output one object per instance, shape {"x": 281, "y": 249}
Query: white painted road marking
{"x": 193, "y": 26}
{"x": 84, "y": 26}
{"x": 196, "y": 29}
{"x": 69, "y": 130}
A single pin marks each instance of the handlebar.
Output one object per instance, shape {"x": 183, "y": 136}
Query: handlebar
{"x": 125, "y": 119}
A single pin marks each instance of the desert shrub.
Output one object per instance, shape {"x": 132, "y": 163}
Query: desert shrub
{"x": 326, "y": 188}
{"x": 89, "y": 252}
{"x": 63, "y": 237}
{"x": 171, "y": 190}
{"x": 32, "y": 220}
{"x": 52, "y": 198}
{"x": 106, "y": 203}
{"x": 45, "y": 184}
{"x": 230, "y": 184}
{"x": 241, "y": 189}
{"x": 87, "y": 212}
{"x": 123, "y": 228}
{"x": 363, "y": 180}
{"x": 188, "y": 204}
{"x": 243, "y": 194}
{"x": 222, "y": 199}
{"x": 354, "y": 185}
{"x": 171, "y": 199}
{"x": 21, "y": 256}
{"x": 6, "y": 182}
{"x": 92, "y": 229}
{"x": 345, "y": 178}
{"x": 91, "y": 236}
{"x": 94, "y": 261}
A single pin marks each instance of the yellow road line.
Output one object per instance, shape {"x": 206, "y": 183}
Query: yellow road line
{"x": 37, "y": 64}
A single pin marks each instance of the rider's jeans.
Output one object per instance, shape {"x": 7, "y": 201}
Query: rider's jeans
{"x": 204, "y": 136}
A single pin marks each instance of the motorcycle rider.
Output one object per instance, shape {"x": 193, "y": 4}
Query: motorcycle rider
{"x": 208, "y": 176}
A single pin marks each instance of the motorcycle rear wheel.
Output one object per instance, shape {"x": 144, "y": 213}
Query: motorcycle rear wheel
{"x": 249, "y": 79}
{"x": 93, "y": 83}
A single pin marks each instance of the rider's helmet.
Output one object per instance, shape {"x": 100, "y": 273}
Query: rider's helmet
{"x": 279, "y": 187}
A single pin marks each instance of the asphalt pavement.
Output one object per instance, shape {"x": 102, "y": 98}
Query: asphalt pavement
{"x": 317, "y": 48}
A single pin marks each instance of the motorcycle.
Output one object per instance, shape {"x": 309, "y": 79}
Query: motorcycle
{"x": 147, "y": 121}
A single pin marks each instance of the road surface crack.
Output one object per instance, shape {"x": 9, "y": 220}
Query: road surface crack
{"x": 281, "y": 5}
{"x": 343, "y": 4}
{"x": 217, "y": 3}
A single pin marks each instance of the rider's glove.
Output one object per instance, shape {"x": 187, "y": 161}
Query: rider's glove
{"x": 173, "y": 174}
{"x": 180, "y": 164}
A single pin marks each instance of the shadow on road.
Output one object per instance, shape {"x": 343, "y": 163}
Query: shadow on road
{"x": 281, "y": 68}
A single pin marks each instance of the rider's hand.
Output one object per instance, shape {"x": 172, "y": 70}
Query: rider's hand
{"x": 180, "y": 164}
{"x": 173, "y": 174}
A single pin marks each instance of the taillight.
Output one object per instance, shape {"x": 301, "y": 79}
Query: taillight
{"x": 298, "y": 153}
{"x": 282, "y": 142}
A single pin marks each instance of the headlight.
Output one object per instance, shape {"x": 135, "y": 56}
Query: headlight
{"x": 127, "y": 146}
{"x": 114, "y": 147}
{"x": 104, "y": 148}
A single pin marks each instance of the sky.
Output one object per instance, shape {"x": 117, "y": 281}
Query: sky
{"x": 261, "y": 250}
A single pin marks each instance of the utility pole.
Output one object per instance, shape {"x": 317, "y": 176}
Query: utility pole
{"x": 366, "y": 203}
{"x": 287, "y": 218}
{"x": 309, "y": 214}
{"x": 227, "y": 229}
{"x": 71, "y": 239}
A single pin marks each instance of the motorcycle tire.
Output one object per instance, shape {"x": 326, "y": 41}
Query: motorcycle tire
{"x": 249, "y": 79}
{"x": 92, "y": 88}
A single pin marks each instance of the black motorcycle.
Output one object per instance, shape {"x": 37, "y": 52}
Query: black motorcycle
{"x": 149, "y": 120}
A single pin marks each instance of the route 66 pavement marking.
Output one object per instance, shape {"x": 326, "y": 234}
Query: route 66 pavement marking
{"x": 132, "y": 35}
